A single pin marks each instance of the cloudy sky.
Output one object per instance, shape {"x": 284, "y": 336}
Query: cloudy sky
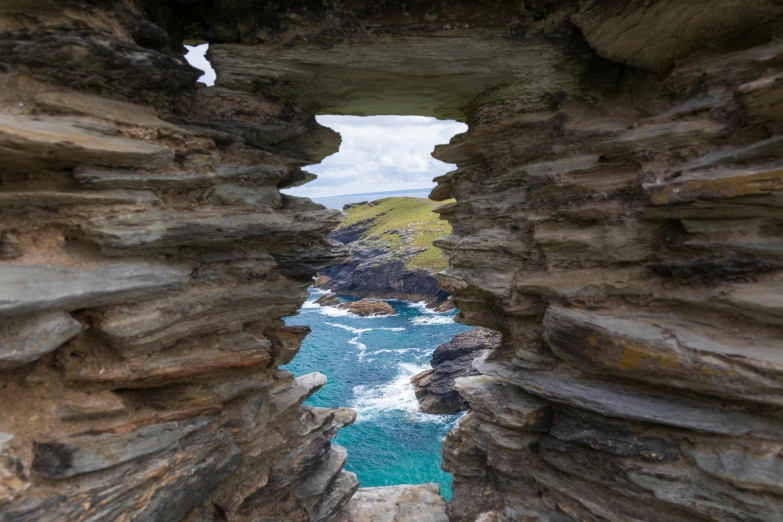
{"x": 380, "y": 153}
{"x": 377, "y": 154}
{"x": 197, "y": 58}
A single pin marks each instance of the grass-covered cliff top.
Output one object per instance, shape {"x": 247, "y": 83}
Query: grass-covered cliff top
{"x": 402, "y": 224}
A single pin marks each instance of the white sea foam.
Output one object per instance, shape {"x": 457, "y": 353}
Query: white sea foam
{"x": 438, "y": 319}
{"x": 395, "y": 396}
{"x": 333, "y": 311}
{"x": 350, "y": 328}
{"x": 318, "y": 291}
{"x": 421, "y": 306}
{"x": 399, "y": 350}
{"x": 355, "y": 341}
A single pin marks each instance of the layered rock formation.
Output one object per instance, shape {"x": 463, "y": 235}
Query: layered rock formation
{"x": 622, "y": 230}
{"x": 617, "y": 218}
{"x": 147, "y": 260}
{"x": 435, "y": 387}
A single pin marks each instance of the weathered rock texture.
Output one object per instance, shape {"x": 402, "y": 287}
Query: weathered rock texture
{"x": 362, "y": 307}
{"x": 435, "y": 387}
{"x": 414, "y": 503}
{"x": 368, "y": 308}
{"x": 147, "y": 260}
{"x": 617, "y": 218}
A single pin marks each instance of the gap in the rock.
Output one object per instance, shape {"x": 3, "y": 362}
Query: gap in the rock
{"x": 369, "y": 361}
{"x": 380, "y": 156}
{"x": 197, "y": 57}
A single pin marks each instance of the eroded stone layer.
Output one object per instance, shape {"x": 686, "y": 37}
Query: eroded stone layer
{"x": 148, "y": 258}
{"x": 617, "y": 218}
{"x": 623, "y": 234}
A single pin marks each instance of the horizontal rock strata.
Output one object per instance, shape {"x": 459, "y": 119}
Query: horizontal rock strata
{"x": 624, "y": 244}
{"x": 147, "y": 258}
{"x": 616, "y": 217}
{"x": 434, "y": 388}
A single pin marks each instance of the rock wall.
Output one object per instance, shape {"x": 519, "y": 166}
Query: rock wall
{"x": 617, "y": 218}
{"x": 435, "y": 388}
{"x": 148, "y": 257}
{"x": 624, "y": 234}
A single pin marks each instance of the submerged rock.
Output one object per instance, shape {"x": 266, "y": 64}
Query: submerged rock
{"x": 435, "y": 388}
{"x": 328, "y": 300}
{"x": 368, "y": 308}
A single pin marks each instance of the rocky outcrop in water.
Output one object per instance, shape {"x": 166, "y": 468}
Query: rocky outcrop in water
{"x": 328, "y": 300}
{"x": 435, "y": 387}
{"x": 362, "y": 307}
{"x": 368, "y": 308}
{"x": 617, "y": 219}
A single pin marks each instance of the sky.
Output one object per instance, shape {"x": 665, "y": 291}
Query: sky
{"x": 377, "y": 154}
{"x": 380, "y": 153}
{"x": 197, "y": 58}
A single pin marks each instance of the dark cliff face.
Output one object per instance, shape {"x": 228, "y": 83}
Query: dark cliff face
{"x": 383, "y": 257}
{"x": 435, "y": 388}
{"x": 147, "y": 260}
{"x": 374, "y": 276}
{"x": 617, "y": 218}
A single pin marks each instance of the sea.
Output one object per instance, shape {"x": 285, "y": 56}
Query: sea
{"x": 369, "y": 362}
{"x": 338, "y": 202}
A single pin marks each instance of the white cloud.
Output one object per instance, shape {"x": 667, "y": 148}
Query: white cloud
{"x": 381, "y": 153}
{"x": 197, "y": 57}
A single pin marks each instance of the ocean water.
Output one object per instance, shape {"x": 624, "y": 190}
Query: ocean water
{"x": 369, "y": 362}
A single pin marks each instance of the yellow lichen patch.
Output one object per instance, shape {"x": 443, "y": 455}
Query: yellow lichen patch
{"x": 636, "y": 355}
{"x": 726, "y": 187}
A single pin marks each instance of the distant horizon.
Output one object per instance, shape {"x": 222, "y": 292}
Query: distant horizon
{"x": 423, "y": 189}
{"x": 338, "y": 202}
{"x": 379, "y": 152}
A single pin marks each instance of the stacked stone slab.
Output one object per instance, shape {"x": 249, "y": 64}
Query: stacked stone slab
{"x": 143, "y": 279}
{"x": 617, "y": 218}
{"x": 624, "y": 235}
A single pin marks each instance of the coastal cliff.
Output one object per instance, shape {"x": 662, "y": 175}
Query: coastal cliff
{"x": 392, "y": 256}
{"x": 435, "y": 388}
{"x": 147, "y": 260}
{"x": 616, "y": 216}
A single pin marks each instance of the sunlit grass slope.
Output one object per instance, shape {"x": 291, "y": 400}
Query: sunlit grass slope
{"x": 403, "y": 224}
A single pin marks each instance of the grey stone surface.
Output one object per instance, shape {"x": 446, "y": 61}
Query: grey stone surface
{"x": 83, "y": 454}
{"x": 161, "y": 230}
{"x": 408, "y": 503}
{"x": 616, "y": 400}
{"x": 51, "y": 199}
{"x": 34, "y": 288}
{"x": 36, "y": 142}
{"x": 311, "y": 490}
{"x": 26, "y": 339}
{"x": 338, "y": 495}
{"x": 255, "y": 175}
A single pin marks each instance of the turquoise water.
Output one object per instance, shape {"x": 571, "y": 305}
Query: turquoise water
{"x": 369, "y": 362}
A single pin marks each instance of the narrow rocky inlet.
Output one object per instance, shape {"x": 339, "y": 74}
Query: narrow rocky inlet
{"x": 616, "y": 217}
